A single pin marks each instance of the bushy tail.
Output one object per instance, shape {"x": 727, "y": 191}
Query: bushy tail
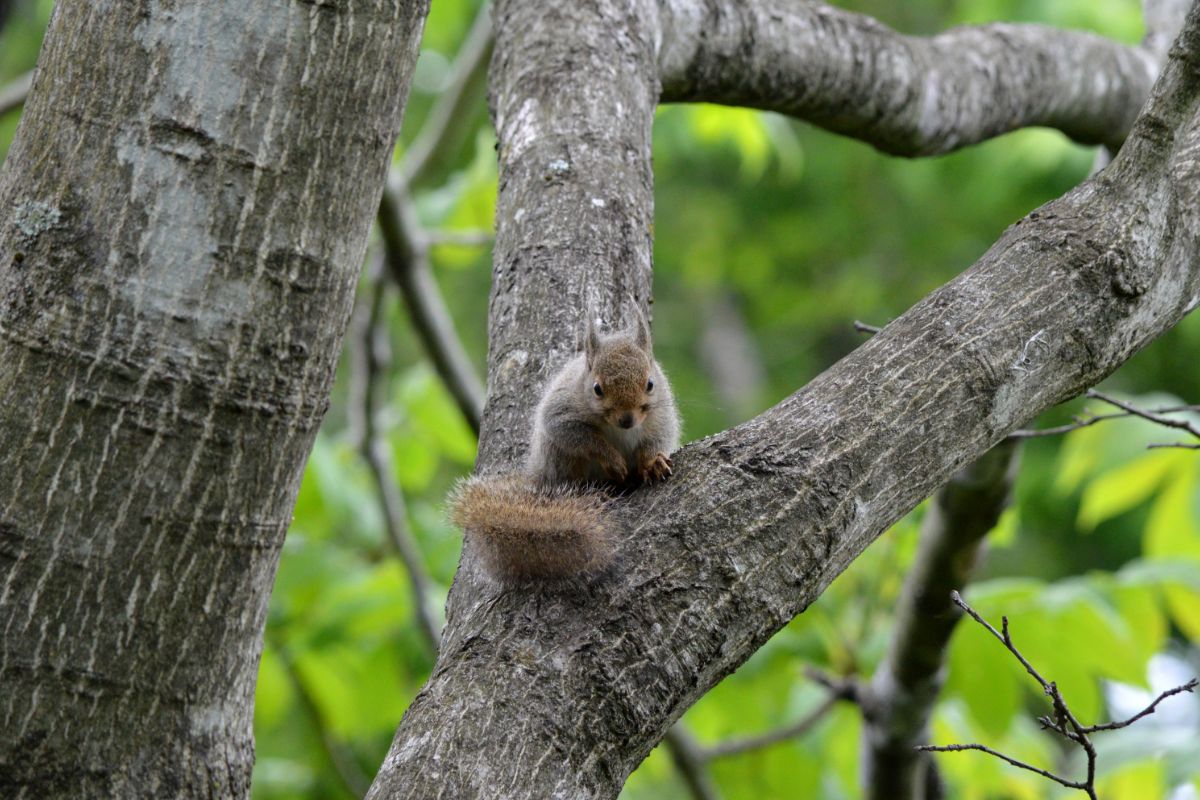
{"x": 525, "y": 532}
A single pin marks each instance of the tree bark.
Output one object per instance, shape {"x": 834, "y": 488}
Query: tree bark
{"x": 560, "y": 691}
{"x": 183, "y": 215}
{"x": 907, "y": 95}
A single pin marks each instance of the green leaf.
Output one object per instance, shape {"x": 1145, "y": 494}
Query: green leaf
{"x": 273, "y": 694}
{"x": 1144, "y": 616}
{"x": 741, "y": 127}
{"x": 1078, "y": 458}
{"x": 1098, "y": 640}
{"x": 1125, "y": 487}
{"x": 1184, "y": 603}
{"x": 981, "y": 676}
{"x": 1172, "y": 530}
{"x": 1135, "y": 782}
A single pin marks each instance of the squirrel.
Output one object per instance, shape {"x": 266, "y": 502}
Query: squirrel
{"x": 606, "y": 421}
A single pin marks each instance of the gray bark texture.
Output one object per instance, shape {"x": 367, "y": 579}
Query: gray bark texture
{"x": 560, "y": 691}
{"x": 183, "y": 215}
{"x": 906, "y": 95}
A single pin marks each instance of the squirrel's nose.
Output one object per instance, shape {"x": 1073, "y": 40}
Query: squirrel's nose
{"x": 627, "y": 420}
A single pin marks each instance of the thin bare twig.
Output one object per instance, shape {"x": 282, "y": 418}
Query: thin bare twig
{"x": 1148, "y": 710}
{"x": 1156, "y": 417}
{"x": 735, "y": 747}
{"x": 13, "y": 95}
{"x": 954, "y": 748}
{"x": 1058, "y": 430}
{"x": 1063, "y": 721}
{"x": 863, "y": 327}
{"x": 371, "y": 363}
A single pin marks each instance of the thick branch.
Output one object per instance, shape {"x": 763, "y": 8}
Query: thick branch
{"x": 898, "y": 702}
{"x": 758, "y": 520}
{"x": 905, "y": 95}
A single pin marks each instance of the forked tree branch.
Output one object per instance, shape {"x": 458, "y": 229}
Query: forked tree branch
{"x": 1063, "y": 722}
{"x": 689, "y": 759}
{"x": 561, "y": 691}
{"x": 905, "y": 95}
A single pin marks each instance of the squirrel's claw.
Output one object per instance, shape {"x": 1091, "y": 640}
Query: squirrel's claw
{"x": 656, "y": 468}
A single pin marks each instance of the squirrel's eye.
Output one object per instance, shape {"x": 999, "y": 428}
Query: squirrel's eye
{"x": 599, "y": 392}
{"x": 649, "y": 386}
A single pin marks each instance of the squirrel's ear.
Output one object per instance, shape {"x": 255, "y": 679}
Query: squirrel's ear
{"x": 641, "y": 329}
{"x": 591, "y": 341}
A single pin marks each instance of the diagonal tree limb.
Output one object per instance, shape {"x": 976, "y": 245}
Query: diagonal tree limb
{"x": 757, "y": 520}
{"x": 905, "y": 95}
{"x": 898, "y": 701}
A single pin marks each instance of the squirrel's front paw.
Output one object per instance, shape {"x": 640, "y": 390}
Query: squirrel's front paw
{"x": 616, "y": 470}
{"x": 655, "y": 467}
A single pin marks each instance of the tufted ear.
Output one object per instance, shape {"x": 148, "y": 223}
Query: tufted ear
{"x": 641, "y": 330}
{"x": 591, "y": 341}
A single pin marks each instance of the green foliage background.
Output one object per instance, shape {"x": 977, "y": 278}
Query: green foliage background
{"x": 799, "y": 233}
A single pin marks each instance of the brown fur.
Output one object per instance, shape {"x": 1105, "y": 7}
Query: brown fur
{"x": 549, "y": 522}
{"x": 522, "y": 532}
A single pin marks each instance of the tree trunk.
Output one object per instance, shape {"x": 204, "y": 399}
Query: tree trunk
{"x": 183, "y": 215}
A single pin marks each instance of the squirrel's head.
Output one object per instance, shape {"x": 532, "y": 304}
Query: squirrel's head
{"x": 621, "y": 374}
